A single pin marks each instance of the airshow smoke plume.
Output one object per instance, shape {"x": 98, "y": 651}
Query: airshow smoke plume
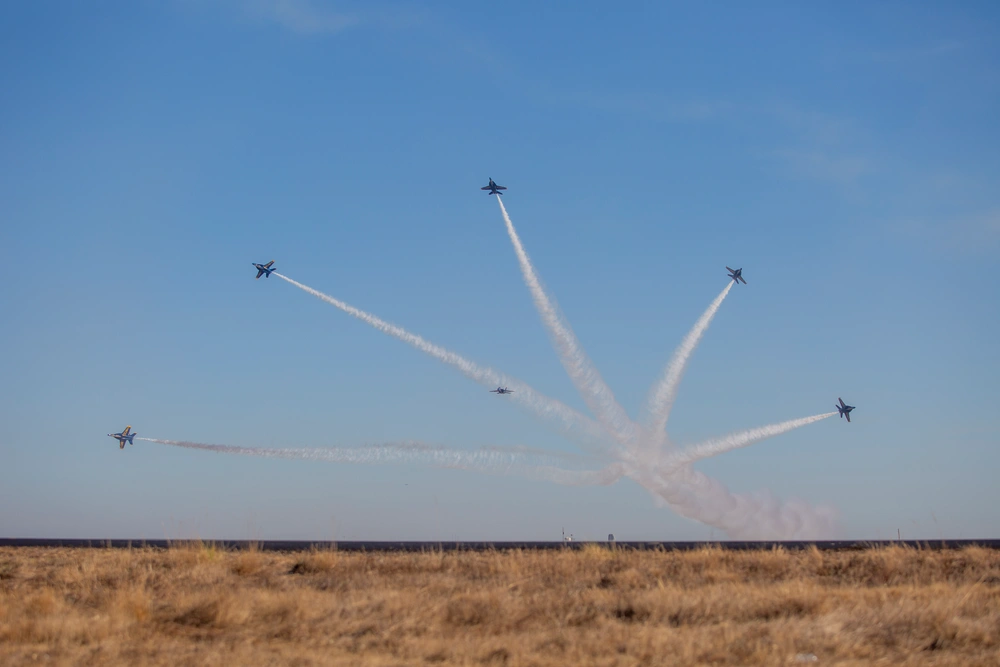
{"x": 587, "y": 380}
{"x": 568, "y": 419}
{"x": 637, "y": 447}
{"x": 662, "y": 397}
{"x": 489, "y": 460}
{"x": 756, "y": 516}
{"x": 728, "y": 443}
{"x": 688, "y": 492}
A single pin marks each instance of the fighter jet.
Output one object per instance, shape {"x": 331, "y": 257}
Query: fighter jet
{"x": 737, "y": 275}
{"x": 844, "y": 409}
{"x": 494, "y": 188}
{"x": 123, "y": 437}
{"x": 501, "y": 390}
{"x": 263, "y": 269}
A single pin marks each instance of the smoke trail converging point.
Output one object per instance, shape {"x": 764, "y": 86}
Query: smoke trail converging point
{"x": 673, "y": 482}
{"x": 757, "y": 516}
{"x": 587, "y": 380}
{"x": 638, "y": 448}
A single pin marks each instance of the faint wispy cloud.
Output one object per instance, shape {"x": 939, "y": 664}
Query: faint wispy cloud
{"x": 921, "y": 55}
{"x": 814, "y": 127}
{"x": 818, "y": 145}
{"x": 843, "y": 170}
{"x": 312, "y": 17}
{"x": 975, "y": 232}
{"x": 655, "y": 106}
{"x": 302, "y": 16}
{"x": 915, "y": 54}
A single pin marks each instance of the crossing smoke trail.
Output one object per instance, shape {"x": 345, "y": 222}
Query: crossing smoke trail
{"x": 640, "y": 467}
{"x": 594, "y": 391}
{"x": 662, "y": 397}
{"x": 728, "y": 443}
{"x": 758, "y": 516}
{"x": 670, "y": 478}
{"x": 487, "y": 460}
{"x": 569, "y": 419}
{"x": 694, "y": 495}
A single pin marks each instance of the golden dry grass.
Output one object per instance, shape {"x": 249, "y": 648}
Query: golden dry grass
{"x": 199, "y": 604}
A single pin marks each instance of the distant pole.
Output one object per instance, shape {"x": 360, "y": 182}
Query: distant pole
{"x": 899, "y": 536}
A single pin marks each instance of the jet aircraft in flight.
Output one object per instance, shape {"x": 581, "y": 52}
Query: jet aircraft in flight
{"x": 736, "y": 275}
{"x": 844, "y": 409}
{"x": 501, "y": 390}
{"x": 123, "y": 437}
{"x": 494, "y": 188}
{"x": 263, "y": 269}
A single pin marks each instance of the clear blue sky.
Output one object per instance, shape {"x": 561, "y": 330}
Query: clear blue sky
{"x": 846, "y": 155}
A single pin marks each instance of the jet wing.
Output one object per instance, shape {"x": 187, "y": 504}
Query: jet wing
{"x": 127, "y": 429}
{"x": 501, "y": 187}
{"x": 268, "y": 265}
{"x": 848, "y": 415}
{"x": 486, "y": 188}
{"x": 741, "y": 280}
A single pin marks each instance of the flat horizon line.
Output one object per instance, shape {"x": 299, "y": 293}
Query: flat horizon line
{"x": 486, "y": 545}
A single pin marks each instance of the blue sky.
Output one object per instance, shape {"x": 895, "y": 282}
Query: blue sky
{"x": 846, "y": 155}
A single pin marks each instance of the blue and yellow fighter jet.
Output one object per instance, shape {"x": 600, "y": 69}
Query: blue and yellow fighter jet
{"x": 844, "y": 409}
{"x": 736, "y": 275}
{"x": 501, "y": 390}
{"x": 123, "y": 437}
{"x": 263, "y": 269}
{"x": 493, "y": 188}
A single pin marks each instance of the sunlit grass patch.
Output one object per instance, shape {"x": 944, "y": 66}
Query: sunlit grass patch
{"x": 197, "y": 602}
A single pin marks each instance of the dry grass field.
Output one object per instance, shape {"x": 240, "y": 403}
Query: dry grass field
{"x": 196, "y": 604}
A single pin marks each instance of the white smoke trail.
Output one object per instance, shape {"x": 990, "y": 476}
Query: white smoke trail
{"x": 670, "y": 479}
{"x": 569, "y": 419}
{"x": 736, "y": 440}
{"x": 604, "y": 477}
{"x": 492, "y": 460}
{"x": 758, "y": 516}
{"x": 694, "y": 495}
{"x": 662, "y": 396}
{"x": 594, "y": 391}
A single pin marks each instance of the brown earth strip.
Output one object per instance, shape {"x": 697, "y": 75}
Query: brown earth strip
{"x": 202, "y": 604}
